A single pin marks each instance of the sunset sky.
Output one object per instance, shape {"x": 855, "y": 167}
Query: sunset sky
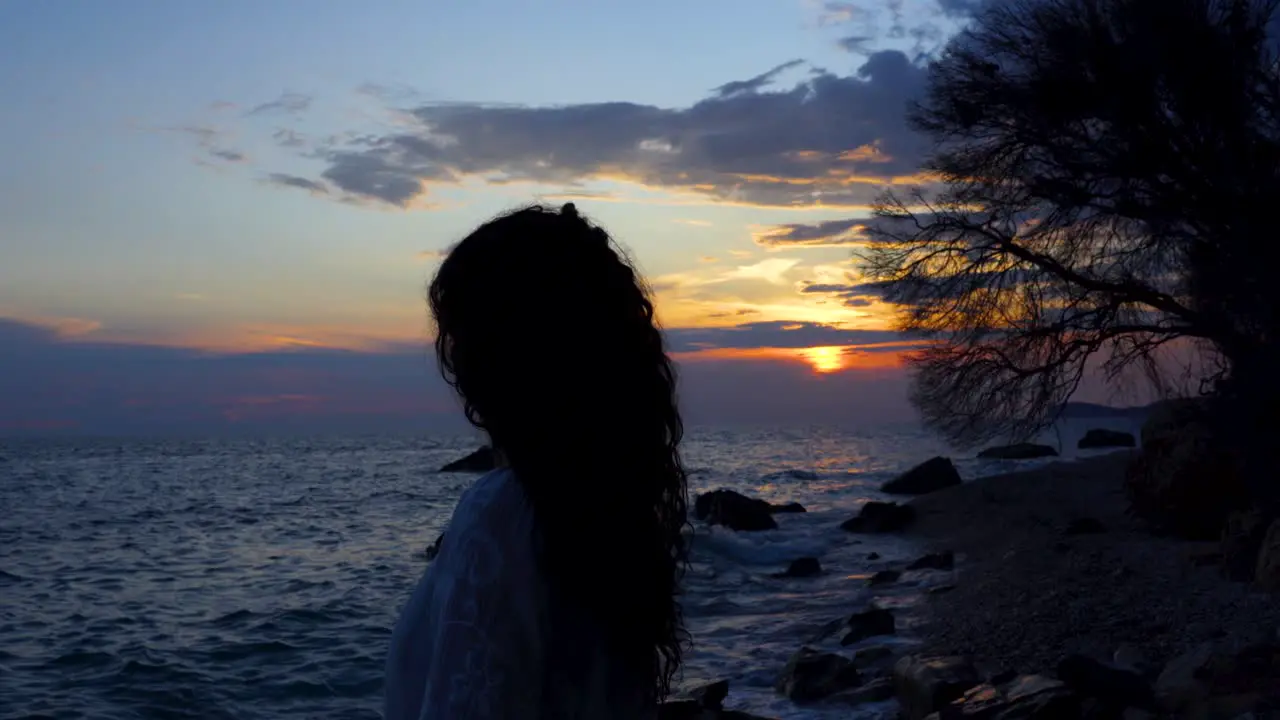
{"x": 222, "y": 214}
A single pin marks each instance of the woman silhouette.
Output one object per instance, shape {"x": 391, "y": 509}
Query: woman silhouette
{"x": 554, "y": 594}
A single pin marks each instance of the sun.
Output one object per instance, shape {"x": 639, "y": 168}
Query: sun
{"x": 826, "y": 359}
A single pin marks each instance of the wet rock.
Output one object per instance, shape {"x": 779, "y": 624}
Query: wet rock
{"x": 434, "y": 548}
{"x": 734, "y": 511}
{"x": 930, "y": 476}
{"x": 1113, "y": 687}
{"x": 873, "y": 556}
{"x": 1018, "y": 451}
{"x": 880, "y": 517}
{"x": 1084, "y": 526}
{"x": 877, "y": 690}
{"x": 801, "y": 568}
{"x": 940, "y": 589}
{"x": 869, "y": 623}
{"x": 869, "y": 656}
{"x": 927, "y": 684}
{"x": 482, "y": 460}
{"x": 1267, "y": 574}
{"x": 1102, "y": 438}
{"x": 1179, "y": 684}
{"x": 811, "y": 675}
{"x": 934, "y": 561}
{"x": 794, "y": 507}
{"x": 884, "y": 577}
{"x": 1030, "y": 697}
{"x": 710, "y": 696}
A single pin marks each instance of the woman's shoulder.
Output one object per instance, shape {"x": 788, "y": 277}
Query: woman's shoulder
{"x": 495, "y": 503}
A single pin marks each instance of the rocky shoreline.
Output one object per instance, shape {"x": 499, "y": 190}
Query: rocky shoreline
{"x": 1056, "y": 604}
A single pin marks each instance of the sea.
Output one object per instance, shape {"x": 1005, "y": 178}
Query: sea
{"x": 260, "y": 578}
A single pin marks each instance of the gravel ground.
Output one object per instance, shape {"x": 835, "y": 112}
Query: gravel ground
{"x": 1028, "y": 593}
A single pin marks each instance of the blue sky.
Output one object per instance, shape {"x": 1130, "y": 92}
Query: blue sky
{"x": 252, "y": 179}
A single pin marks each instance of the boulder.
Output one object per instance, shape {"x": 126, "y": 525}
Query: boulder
{"x": 870, "y": 656}
{"x": 1184, "y": 481}
{"x": 479, "y": 461}
{"x": 1267, "y": 574}
{"x": 884, "y": 577}
{"x": 1029, "y": 697}
{"x": 928, "y": 684}
{"x": 1018, "y": 451}
{"x": 1241, "y": 544}
{"x": 434, "y": 548}
{"x": 710, "y": 696}
{"x": 879, "y": 517}
{"x": 934, "y": 561}
{"x": 794, "y": 507}
{"x": 877, "y": 690}
{"x": 811, "y": 675}
{"x": 801, "y": 568}
{"x": 1102, "y": 438}
{"x": 1113, "y": 687}
{"x": 929, "y": 476}
{"x": 1181, "y": 682}
{"x": 869, "y": 623}
{"x": 734, "y": 511}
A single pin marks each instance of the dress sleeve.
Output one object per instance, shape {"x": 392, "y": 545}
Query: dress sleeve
{"x": 489, "y": 642}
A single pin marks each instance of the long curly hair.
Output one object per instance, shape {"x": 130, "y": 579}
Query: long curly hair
{"x": 548, "y": 334}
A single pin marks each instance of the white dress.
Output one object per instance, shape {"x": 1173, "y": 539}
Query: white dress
{"x": 475, "y": 639}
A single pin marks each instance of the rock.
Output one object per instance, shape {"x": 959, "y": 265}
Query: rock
{"x": 1184, "y": 481}
{"x": 868, "y": 656}
{"x": 794, "y": 507}
{"x": 879, "y": 517}
{"x": 940, "y": 589}
{"x": 434, "y": 548}
{"x": 682, "y": 710}
{"x": 1241, "y": 544}
{"x": 934, "y": 561}
{"x": 925, "y": 685}
{"x": 801, "y": 568}
{"x": 884, "y": 577}
{"x": 1084, "y": 526}
{"x": 1112, "y": 686}
{"x": 1100, "y": 438}
{"x": 877, "y": 690}
{"x": 1267, "y": 574}
{"x": 1133, "y": 659}
{"x": 869, "y": 623}
{"x": 873, "y": 556}
{"x": 710, "y": 696}
{"x": 734, "y": 511}
{"x": 1018, "y": 451}
{"x": 482, "y": 460}
{"x": 1030, "y": 697}
{"x": 930, "y": 476}
{"x": 1179, "y": 684}
{"x": 811, "y": 675}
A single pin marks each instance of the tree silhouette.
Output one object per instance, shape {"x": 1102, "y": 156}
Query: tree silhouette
{"x": 1108, "y": 172}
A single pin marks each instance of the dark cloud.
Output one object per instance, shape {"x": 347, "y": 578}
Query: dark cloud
{"x": 294, "y": 181}
{"x": 285, "y": 137}
{"x": 775, "y": 334}
{"x": 234, "y": 156}
{"x": 849, "y": 231}
{"x": 121, "y": 389}
{"x": 861, "y": 44}
{"x": 852, "y": 295}
{"x": 288, "y": 103}
{"x": 809, "y": 144}
{"x": 755, "y": 84}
